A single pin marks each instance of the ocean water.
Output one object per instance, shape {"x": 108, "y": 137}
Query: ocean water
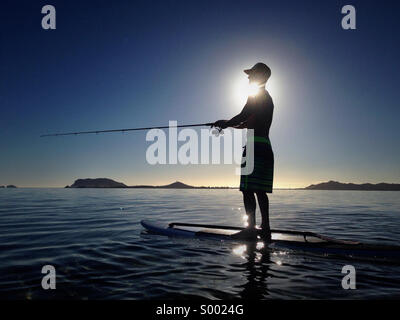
{"x": 94, "y": 239}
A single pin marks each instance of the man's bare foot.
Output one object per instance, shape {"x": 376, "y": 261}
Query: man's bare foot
{"x": 265, "y": 234}
{"x": 246, "y": 234}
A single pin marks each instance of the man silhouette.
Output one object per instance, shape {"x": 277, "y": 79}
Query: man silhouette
{"x": 256, "y": 115}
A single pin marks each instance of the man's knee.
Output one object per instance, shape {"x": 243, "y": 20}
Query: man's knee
{"x": 248, "y": 193}
{"x": 249, "y": 198}
{"x": 261, "y": 194}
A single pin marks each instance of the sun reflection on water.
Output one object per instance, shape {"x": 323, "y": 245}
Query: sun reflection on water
{"x": 240, "y": 250}
{"x": 245, "y": 218}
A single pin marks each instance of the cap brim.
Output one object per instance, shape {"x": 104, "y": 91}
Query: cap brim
{"x": 248, "y": 71}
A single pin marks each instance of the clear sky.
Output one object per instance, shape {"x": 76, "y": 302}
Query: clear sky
{"x": 121, "y": 64}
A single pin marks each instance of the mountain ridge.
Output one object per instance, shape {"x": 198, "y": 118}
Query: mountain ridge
{"x": 335, "y": 185}
{"x": 109, "y": 183}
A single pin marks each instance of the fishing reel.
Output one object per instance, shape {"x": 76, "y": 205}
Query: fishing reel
{"x": 217, "y": 131}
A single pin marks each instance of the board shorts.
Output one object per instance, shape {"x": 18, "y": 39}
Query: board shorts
{"x": 262, "y": 177}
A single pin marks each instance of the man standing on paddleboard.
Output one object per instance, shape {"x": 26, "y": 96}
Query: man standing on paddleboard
{"x": 256, "y": 115}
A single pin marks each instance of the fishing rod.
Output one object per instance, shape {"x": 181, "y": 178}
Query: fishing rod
{"x": 125, "y": 130}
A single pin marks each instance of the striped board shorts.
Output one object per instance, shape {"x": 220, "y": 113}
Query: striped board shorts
{"x": 262, "y": 177}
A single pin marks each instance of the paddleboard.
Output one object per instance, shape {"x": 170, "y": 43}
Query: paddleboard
{"x": 295, "y": 240}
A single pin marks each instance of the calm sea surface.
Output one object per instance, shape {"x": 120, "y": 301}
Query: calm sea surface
{"x": 94, "y": 239}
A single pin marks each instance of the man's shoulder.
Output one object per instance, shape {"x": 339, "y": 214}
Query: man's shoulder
{"x": 264, "y": 98}
{"x": 268, "y": 98}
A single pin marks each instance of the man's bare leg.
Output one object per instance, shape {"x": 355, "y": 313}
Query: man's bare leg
{"x": 263, "y": 203}
{"x": 250, "y": 205}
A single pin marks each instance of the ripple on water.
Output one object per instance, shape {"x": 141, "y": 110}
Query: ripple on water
{"x": 95, "y": 240}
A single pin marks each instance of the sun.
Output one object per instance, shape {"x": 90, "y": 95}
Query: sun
{"x": 242, "y": 89}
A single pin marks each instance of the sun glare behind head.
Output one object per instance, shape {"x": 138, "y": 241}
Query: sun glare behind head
{"x": 252, "y": 89}
{"x": 242, "y": 90}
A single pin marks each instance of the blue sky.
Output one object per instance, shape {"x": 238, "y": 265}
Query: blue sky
{"x": 117, "y": 64}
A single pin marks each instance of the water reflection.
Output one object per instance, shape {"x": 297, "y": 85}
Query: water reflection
{"x": 258, "y": 260}
{"x": 99, "y": 251}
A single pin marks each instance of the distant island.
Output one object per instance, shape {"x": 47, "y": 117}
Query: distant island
{"x": 109, "y": 183}
{"x": 334, "y": 185}
{"x": 330, "y": 185}
{"x": 175, "y": 185}
{"x": 97, "y": 183}
{"x": 10, "y": 186}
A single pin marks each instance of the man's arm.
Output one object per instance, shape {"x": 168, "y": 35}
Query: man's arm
{"x": 237, "y": 121}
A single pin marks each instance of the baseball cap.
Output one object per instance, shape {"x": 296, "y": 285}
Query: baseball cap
{"x": 260, "y": 68}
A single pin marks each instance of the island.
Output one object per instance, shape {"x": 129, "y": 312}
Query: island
{"x": 174, "y": 185}
{"x": 11, "y": 186}
{"x": 109, "y": 183}
{"x": 334, "y": 185}
{"x": 97, "y": 183}
{"x": 2, "y": 187}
